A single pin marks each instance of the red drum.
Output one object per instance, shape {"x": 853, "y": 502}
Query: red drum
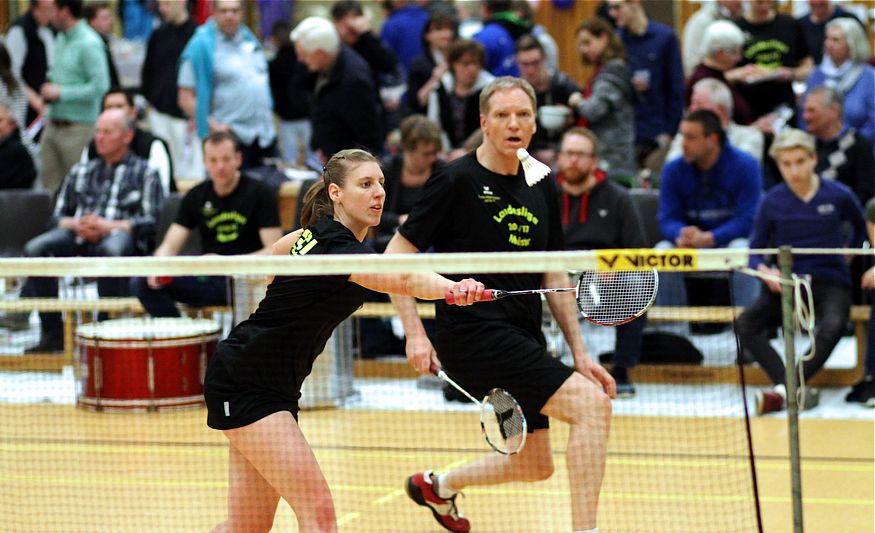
{"x": 144, "y": 363}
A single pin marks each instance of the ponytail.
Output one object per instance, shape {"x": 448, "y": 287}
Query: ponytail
{"x": 316, "y": 204}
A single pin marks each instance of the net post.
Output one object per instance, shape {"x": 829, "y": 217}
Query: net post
{"x": 785, "y": 262}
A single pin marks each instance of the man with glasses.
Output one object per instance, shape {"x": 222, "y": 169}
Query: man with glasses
{"x": 599, "y": 214}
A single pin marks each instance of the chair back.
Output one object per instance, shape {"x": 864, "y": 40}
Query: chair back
{"x": 646, "y": 201}
{"x": 24, "y": 214}
{"x": 168, "y": 214}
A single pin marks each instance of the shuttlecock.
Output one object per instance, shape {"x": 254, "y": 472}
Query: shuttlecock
{"x": 535, "y": 170}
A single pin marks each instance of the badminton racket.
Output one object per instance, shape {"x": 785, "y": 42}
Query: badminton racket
{"x": 501, "y": 418}
{"x": 605, "y": 298}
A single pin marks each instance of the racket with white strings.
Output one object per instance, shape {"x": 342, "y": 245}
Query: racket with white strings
{"x": 501, "y": 418}
{"x": 605, "y": 298}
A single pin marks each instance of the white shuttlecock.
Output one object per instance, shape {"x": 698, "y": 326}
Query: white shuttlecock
{"x": 535, "y": 170}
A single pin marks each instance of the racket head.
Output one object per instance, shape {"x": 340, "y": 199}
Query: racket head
{"x": 617, "y": 297}
{"x": 503, "y": 422}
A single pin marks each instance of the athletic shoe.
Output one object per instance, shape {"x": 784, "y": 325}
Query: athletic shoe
{"x": 625, "y": 388}
{"x": 15, "y": 321}
{"x": 863, "y": 392}
{"x": 768, "y": 401}
{"x": 808, "y": 398}
{"x": 421, "y": 489}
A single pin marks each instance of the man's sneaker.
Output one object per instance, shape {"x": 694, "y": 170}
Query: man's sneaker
{"x": 421, "y": 489}
{"x": 808, "y": 398}
{"x": 15, "y": 321}
{"x": 625, "y": 388}
{"x": 51, "y": 342}
{"x": 863, "y": 392}
{"x": 768, "y": 401}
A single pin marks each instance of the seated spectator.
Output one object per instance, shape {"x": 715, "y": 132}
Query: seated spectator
{"x": 803, "y": 212}
{"x": 864, "y": 391}
{"x": 844, "y": 69}
{"x": 843, "y": 154}
{"x": 224, "y": 84}
{"x": 693, "y": 50}
{"x": 250, "y": 224}
{"x": 722, "y": 46}
{"x": 346, "y": 105}
{"x": 607, "y": 104}
{"x": 813, "y": 24}
{"x": 455, "y": 105}
{"x": 105, "y": 207}
{"x": 713, "y": 95}
{"x": 707, "y": 199}
{"x": 17, "y": 168}
{"x": 292, "y": 99}
{"x": 424, "y": 75}
{"x": 552, "y": 88}
{"x": 501, "y": 29}
{"x": 145, "y": 145}
{"x": 599, "y": 214}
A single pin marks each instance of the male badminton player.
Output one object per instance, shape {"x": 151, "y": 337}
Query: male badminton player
{"x": 481, "y": 202}
{"x": 253, "y": 383}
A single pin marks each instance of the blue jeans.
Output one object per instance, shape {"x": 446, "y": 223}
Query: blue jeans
{"x": 295, "y": 138}
{"x": 63, "y": 243}
{"x": 190, "y": 290}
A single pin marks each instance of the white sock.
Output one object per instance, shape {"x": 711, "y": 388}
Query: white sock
{"x": 443, "y": 488}
{"x": 782, "y": 390}
{"x": 593, "y": 530}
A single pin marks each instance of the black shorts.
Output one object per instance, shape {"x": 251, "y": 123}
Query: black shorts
{"x": 231, "y": 404}
{"x": 484, "y": 355}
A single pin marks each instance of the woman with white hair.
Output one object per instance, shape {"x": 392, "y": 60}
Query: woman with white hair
{"x": 846, "y": 50}
{"x": 722, "y": 44}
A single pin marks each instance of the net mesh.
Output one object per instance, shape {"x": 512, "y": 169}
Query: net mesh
{"x": 105, "y": 431}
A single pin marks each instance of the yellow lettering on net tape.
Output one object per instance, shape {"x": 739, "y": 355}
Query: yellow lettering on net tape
{"x": 646, "y": 259}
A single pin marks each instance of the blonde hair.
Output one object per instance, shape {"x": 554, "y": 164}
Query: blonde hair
{"x": 316, "y": 201}
{"x": 791, "y": 138}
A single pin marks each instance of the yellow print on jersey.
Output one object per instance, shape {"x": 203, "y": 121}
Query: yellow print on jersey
{"x": 518, "y": 231}
{"x": 304, "y": 244}
{"x": 227, "y": 225}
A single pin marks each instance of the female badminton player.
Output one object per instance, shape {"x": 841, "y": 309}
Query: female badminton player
{"x": 253, "y": 382}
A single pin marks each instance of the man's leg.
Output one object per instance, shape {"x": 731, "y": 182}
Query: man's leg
{"x": 672, "y": 293}
{"x": 117, "y": 244}
{"x": 156, "y": 302}
{"x": 832, "y": 303}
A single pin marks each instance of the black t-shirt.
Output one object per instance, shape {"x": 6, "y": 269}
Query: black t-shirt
{"x": 774, "y": 44}
{"x": 229, "y": 225}
{"x": 275, "y": 348}
{"x": 467, "y": 208}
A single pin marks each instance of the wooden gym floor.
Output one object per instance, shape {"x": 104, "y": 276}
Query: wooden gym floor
{"x": 65, "y": 469}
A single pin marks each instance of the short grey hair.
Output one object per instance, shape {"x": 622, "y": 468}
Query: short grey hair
{"x": 858, "y": 43}
{"x": 791, "y": 138}
{"x": 828, "y": 97}
{"x": 722, "y": 35}
{"x": 316, "y": 33}
{"x": 506, "y": 83}
{"x": 718, "y": 92}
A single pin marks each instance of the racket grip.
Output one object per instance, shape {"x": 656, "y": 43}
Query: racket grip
{"x": 485, "y": 296}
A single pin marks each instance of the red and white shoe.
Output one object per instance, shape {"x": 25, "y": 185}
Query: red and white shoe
{"x": 768, "y": 402}
{"x": 421, "y": 489}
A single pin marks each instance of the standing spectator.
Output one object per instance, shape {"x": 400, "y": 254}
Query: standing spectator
{"x": 31, "y": 43}
{"x": 234, "y": 214}
{"x": 424, "y": 75}
{"x": 598, "y": 214}
{"x": 864, "y": 391}
{"x": 166, "y": 119}
{"x": 456, "y": 103}
{"x": 291, "y": 98}
{"x": 722, "y": 45}
{"x": 346, "y": 108}
{"x": 843, "y": 154}
{"x": 803, "y": 212}
{"x": 552, "y": 87}
{"x": 224, "y": 86}
{"x": 403, "y": 28}
{"x": 13, "y": 93}
{"x": 501, "y": 29}
{"x": 145, "y": 145}
{"x": 694, "y": 30}
{"x": 99, "y": 17}
{"x": 78, "y": 77}
{"x": 821, "y": 12}
{"x": 17, "y": 170}
{"x": 523, "y": 9}
{"x": 607, "y": 104}
{"x": 654, "y": 58}
{"x": 106, "y": 207}
{"x": 774, "y": 56}
{"x": 714, "y": 95}
{"x": 844, "y": 69}
{"x": 707, "y": 199}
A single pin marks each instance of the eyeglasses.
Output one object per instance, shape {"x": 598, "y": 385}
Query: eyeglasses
{"x": 576, "y": 153}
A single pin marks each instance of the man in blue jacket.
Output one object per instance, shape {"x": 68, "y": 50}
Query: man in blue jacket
{"x": 707, "y": 199}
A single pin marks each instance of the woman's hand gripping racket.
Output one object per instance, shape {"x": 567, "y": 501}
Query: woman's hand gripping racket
{"x": 604, "y": 298}
{"x": 501, "y": 418}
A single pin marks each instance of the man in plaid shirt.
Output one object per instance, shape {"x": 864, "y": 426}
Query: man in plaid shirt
{"x": 107, "y": 206}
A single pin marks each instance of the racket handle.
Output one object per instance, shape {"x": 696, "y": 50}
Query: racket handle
{"x": 486, "y": 296}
